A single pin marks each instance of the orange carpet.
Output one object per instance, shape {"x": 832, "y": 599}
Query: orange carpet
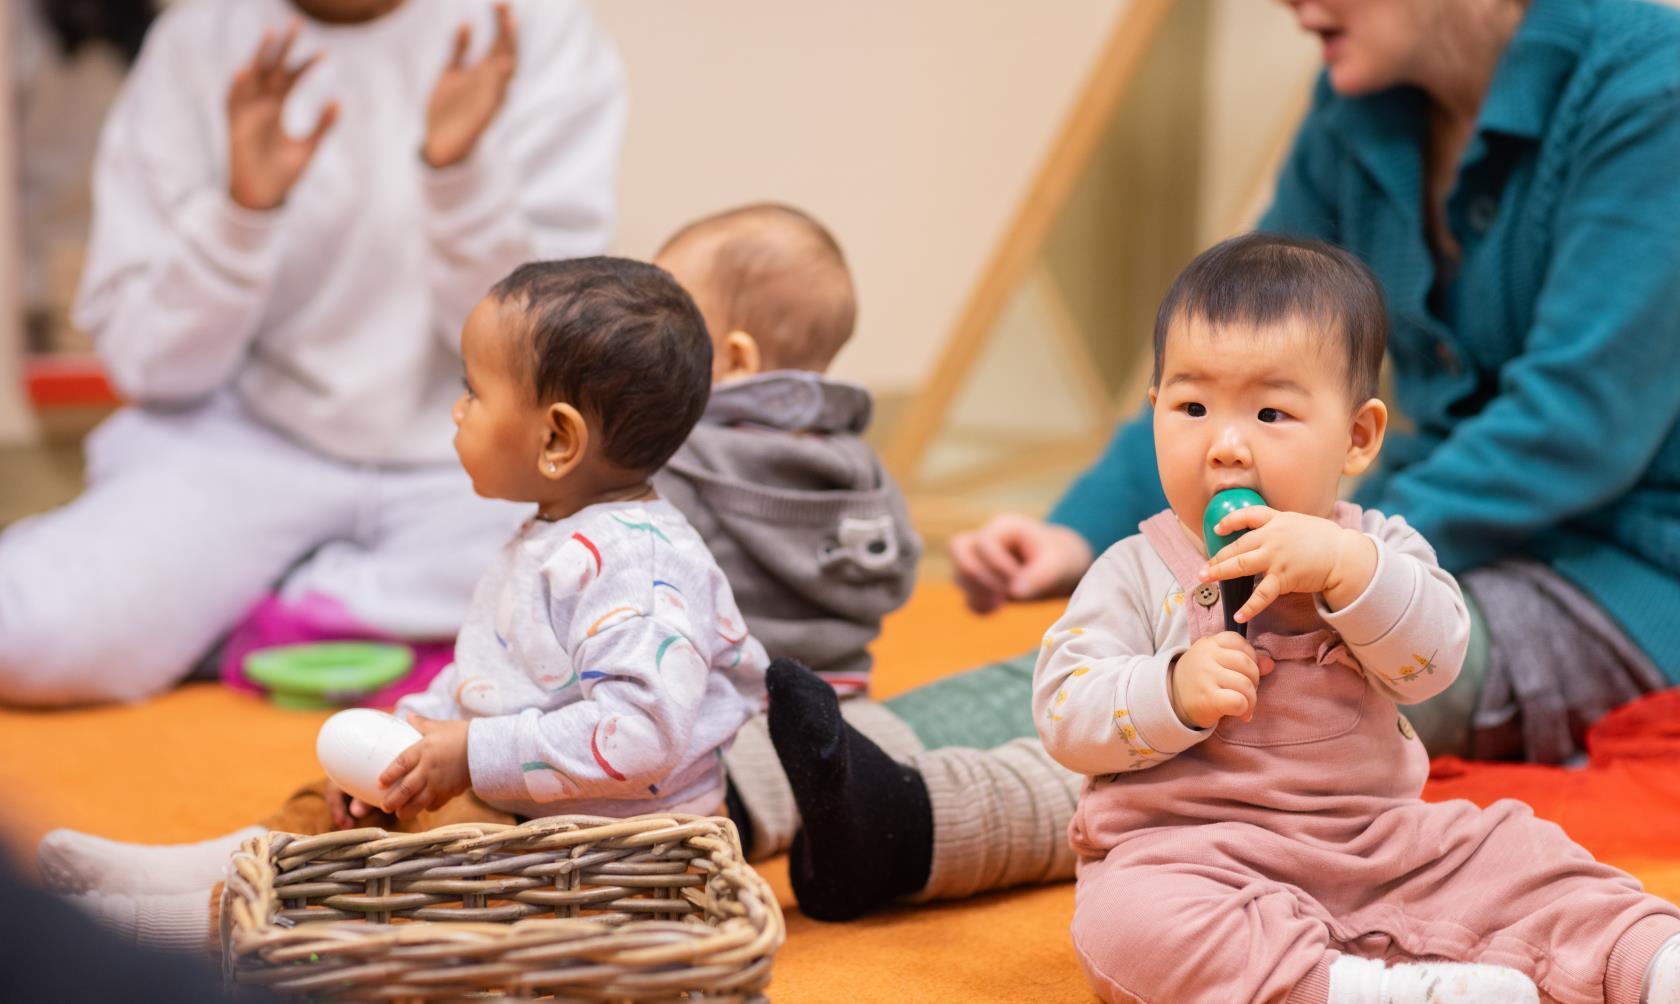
{"x": 204, "y": 760}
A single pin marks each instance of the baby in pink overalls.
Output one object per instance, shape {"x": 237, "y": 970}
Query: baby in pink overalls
{"x": 1251, "y": 829}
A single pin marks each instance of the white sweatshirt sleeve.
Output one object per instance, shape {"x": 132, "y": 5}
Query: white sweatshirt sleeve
{"x": 177, "y": 274}
{"x": 1409, "y": 629}
{"x": 542, "y": 182}
{"x": 1100, "y": 696}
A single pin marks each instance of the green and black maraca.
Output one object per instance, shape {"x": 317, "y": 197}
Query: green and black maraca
{"x": 1232, "y": 592}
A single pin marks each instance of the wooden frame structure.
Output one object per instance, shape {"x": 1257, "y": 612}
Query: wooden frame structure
{"x": 1016, "y": 262}
{"x": 1111, "y": 77}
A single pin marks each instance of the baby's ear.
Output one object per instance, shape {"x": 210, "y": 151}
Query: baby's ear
{"x": 738, "y": 357}
{"x": 1365, "y": 437}
{"x": 565, "y": 441}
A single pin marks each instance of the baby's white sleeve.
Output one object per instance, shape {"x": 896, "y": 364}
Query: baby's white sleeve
{"x": 1409, "y": 629}
{"x": 1100, "y": 691}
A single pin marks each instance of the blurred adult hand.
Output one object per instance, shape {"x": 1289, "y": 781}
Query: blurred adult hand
{"x": 465, "y": 98}
{"x": 264, "y": 162}
{"x": 1013, "y": 558}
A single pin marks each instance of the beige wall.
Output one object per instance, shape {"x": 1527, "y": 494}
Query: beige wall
{"x": 16, "y": 424}
{"x": 912, "y": 129}
{"x": 1260, "y": 67}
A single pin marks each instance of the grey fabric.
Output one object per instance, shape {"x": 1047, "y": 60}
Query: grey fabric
{"x": 1556, "y": 664}
{"x": 805, "y": 522}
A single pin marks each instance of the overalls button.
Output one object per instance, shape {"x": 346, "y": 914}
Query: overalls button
{"x": 1207, "y": 594}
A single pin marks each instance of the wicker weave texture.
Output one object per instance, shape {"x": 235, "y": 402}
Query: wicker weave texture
{"x": 571, "y": 908}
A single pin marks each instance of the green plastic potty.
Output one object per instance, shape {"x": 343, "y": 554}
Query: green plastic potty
{"x": 327, "y": 674}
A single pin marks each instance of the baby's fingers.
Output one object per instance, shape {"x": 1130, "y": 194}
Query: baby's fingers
{"x": 1265, "y": 591}
{"x": 398, "y": 796}
{"x": 1248, "y": 556}
{"x": 1230, "y": 703}
{"x": 1249, "y": 518}
{"x": 405, "y": 762}
{"x": 1241, "y": 663}
{"x": 420, "y": 802}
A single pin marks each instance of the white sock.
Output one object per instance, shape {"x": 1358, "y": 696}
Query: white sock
{"x": 1368, "y": 981}
{"x": 1662, "y": 978}
{"x": 78, "y": 862}
{"x": 178, "y": 920}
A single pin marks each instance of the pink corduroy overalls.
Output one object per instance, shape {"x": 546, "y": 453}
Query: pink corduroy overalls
{"x": 1242, "y": 867}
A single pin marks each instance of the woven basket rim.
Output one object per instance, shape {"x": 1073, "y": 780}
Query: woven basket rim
{"x": 706, "y": 867}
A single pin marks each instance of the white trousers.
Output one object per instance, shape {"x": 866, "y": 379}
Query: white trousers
{"x": 190, "y": 517}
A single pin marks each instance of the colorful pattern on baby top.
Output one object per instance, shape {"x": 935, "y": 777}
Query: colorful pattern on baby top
{"x": 1420, "y": 666}
{"x": 611, "y": 726}
{"x": 546, "y": 782}
{"x": 1050, "y": 639}
{"x": 609, "y": 625}
{"x": 1062, "y": 695}
{"x": 1141, "y": 753}
{"x": 644, "y": 525}
{"x": 617, "y": 615}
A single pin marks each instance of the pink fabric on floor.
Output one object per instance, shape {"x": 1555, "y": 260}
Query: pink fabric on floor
{"x": 318, "y": 618}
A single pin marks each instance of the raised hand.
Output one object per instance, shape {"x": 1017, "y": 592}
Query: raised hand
{"x": 1291, "y": 552}
{"x": 466, "y": 98}
{"x": 263, "y": 161}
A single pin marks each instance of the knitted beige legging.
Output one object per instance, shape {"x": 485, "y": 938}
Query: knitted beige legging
{"x": 1000, "y": 816}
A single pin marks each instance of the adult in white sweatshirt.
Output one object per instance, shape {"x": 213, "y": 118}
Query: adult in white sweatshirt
{"x": 296, "y": 204}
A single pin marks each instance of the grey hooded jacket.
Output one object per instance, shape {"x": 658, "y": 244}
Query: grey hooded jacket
{"x": 812, "y": 533}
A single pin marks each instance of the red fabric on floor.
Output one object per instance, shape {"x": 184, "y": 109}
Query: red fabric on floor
{"x": 1624, "y": 805}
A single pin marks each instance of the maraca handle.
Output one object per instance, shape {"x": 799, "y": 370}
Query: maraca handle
{"x": 1233, "y": 593}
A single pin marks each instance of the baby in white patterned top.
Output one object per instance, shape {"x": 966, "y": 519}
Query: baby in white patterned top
{"x": 603, "y": 667}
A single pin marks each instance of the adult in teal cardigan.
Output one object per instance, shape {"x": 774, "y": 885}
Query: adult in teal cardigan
{"x": 1510, "y": 169}
{"x": 1526, "y": 225}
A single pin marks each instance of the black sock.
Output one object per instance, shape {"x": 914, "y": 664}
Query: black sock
{"x": 867, "y": 835}
{"x": 737, "y": 810}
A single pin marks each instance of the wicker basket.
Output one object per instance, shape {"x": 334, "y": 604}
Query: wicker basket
{"x": 652, "y": 908}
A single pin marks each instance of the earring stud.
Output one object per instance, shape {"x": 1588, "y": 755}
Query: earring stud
{"x": 552, "y": 468}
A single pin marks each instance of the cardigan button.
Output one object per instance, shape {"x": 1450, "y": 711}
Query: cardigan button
{"x": 1483, "y": 210}
{"x": 1207, "y": 594}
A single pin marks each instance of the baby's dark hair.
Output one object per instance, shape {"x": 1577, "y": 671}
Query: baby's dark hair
{"x": 782, "y": 278}
{"x": 621, "y": 342}
{"x": 1259, "y": 279}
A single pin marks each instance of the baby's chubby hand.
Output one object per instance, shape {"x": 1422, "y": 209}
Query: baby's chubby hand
{"x": 1217, "y": 677}
{"x": 1291, "y": 552}
{"x": 429, "y": 773}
